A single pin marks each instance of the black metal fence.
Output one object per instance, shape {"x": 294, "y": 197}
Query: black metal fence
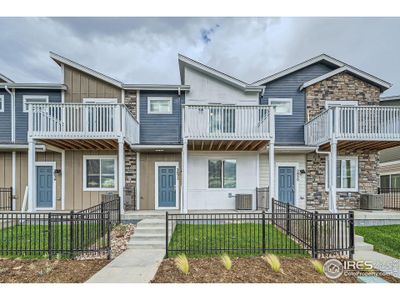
{"x": 391, "y": 197}
{"x": 59, "y": 234}
{"x": 286, "y": 230}
{"x": 6, "y": 199}
{"x": 109, "y": 203}
{"x": 262, "y": 198}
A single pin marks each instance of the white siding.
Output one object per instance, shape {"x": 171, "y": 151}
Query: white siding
{"x": 205, "y": 90}
{"x": 300, "y": 159}
{"x": 201, "y": 197}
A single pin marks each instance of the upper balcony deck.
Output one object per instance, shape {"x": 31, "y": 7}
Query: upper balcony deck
{"x": 228, "y": 127}
{"x": 82, "y": 126}
{"x": 355, "y": 127}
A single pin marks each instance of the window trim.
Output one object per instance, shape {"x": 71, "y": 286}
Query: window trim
{"x": 169, "y": 99}
{"x": 390, "y": 174}
{"x": 222, "y": 174}
{"x": 24, "y": 98}
{"x": 99, "y": 189}
{"x": 2, "y": 103}
{"x": 341, "y": 158}
{"x": 287, "y": 100}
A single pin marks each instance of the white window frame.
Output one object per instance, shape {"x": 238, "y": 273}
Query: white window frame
{"x": 25, "y": 97}
{"x": 2, "y": 103}
{"x": 222, "y": 174}
{"x": 286, "y": 100}
{"x": 99, "y": 189}
{"x": 169, "y": 99}
{"x": 340, "y": 103}
{"x": 341, "y": 158}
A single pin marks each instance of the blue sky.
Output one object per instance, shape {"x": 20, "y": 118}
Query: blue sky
{"x": 144, "y": 50}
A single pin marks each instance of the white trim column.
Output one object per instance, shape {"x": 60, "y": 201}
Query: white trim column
{"x": 137, "y": 181}
{"x": 184, "y": 206}
{"x": 14, "y": 179}
{"x": 31, "y": 175}
{"x": 121, "y": 172}
{"x": 271, "y": 156}
{"x": 332, "y": 177}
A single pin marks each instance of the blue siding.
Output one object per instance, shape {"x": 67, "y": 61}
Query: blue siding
{"x": 161, "y": 128}
{"x": 289, "y": 130}
{"x": 21, "y": 126}
{"x": 5, "y": 118}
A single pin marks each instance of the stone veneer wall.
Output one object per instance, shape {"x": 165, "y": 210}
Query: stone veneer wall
{"x": 340, "y": 87}
{"x": 130, "y": 155}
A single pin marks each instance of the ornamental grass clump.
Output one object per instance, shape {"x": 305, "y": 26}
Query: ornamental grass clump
{"x": 317, "y": 266}
{"x": 226, "y": 261}
{"x": 182, "y": 263}
{"x": 273, "y": 261}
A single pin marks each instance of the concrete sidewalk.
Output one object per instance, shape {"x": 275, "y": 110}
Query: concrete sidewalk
{"x": 132, "y": 266}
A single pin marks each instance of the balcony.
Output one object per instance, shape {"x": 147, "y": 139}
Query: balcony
{"x": 82, "y": 126}
{"x": 355, "y": 127}
{"x": 228, "y": 127}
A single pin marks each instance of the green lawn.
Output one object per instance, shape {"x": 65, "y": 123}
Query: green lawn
{"x": 209, "y": 240}
{"x": 32, "y": 240}
{"x": 386, "y": 239}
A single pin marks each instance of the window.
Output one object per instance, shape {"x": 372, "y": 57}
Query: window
{"x": 390, "y": 181}
{"x": 221, "y": 120}
{"x": 221, "y": 174}
{"x": 1, "y": 103}
{"x": 283, "y": 106}
{"x": 159, "y": 105}
{"x": 99, "y": 173}
{"x": 33, "y": 99}
{"x": 346, "y": 174}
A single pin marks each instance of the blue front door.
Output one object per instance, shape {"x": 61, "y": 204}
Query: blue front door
{"x": 44, "y": 186}
{"x": 286, "y": 186}
{"x": 166, "y": 186}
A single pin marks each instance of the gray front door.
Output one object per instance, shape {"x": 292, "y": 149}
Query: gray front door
{"x": 166, "y": 186}
{"x": 44, "y": 186}
{"x": 286, "y": 186}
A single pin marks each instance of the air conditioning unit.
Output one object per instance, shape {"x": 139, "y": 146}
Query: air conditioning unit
{"x": 244, "y": 201}
{"x": 371, "y": 201}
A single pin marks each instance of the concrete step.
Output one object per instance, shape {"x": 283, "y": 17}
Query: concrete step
{"x": 149, "y": 230}
{"x": 151, "y": 223}
{"x": 138, "y": 216}
{"x": 147, "y": 237}
{"x": 147, "y": 245}
{"x": 363, "y": 247}
{"x": 358, "y": 238}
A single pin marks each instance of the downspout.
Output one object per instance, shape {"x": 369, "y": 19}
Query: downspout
{"x": 14, "y": 155}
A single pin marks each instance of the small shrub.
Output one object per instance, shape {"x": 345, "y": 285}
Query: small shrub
{"x": 182, "y": 263}
{"x": 317, "y": 266}
{"x": 273, "y": 261}
{"x": 226, "y": 261}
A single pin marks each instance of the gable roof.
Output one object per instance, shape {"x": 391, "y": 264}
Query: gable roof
{"x": 186, "y": 61}
{"x": 63, "y": 60}
{"x": 383, "y": 85}
{"x": 5, "y": 79}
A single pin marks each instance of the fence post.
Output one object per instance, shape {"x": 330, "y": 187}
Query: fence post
{"x": 287, "y": 218}
{"x": 119, "y": 210}
{"x": 314, "y": 246}
{"x": 166, "y": 234}
{"x": 273, "y": 211}
{"x": 108, "y": 236}
{"x": 351, "y": 233}
{"x": 49, "y": 236}
{"x": 263, "y": 232}
{"x": 102, "y": 216}
{"x": 71, "y": 233}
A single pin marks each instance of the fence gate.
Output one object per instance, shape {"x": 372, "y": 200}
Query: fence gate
{"x": 6, "y": 199}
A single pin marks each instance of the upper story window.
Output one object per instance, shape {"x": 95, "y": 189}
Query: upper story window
{"x": 99, "y": 173}
{"x": 33, "y": 99}
{"x": 159, "y": 105}
{"x": 283, "y": 106}
{"x": 346, "y": 174}
{"x": 222, "y": 173}
{"x": 1, "y": 103}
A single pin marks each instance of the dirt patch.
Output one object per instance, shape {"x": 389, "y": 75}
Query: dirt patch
{"x": 46, "y": 271}
{"x": 245, "y": 270}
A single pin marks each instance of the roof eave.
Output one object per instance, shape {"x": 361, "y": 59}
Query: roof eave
{"x": 46, "y": 86}
{"x": 158, "y": 87}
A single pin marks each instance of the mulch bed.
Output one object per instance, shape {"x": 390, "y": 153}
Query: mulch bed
{"x": 63, "y": 270}
{"x": 46, "y": 271}
{"x": 246, "y": 270}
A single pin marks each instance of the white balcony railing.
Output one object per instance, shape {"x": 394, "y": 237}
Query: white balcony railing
{"x": 228, "y": 122}
{"x": 82, "y": 121}
{"x": 368, "y": 123}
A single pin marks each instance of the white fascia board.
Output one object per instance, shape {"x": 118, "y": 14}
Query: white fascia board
{"x": 156, "y": 87}
{"x": 358, "y": 73}
{"x": 63, "y": 60}
{"x": 47, "y": 86}
{"x": 390, "y": 98}
{"x": 6, "y": 79}
{"x": 40, "y": 148}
